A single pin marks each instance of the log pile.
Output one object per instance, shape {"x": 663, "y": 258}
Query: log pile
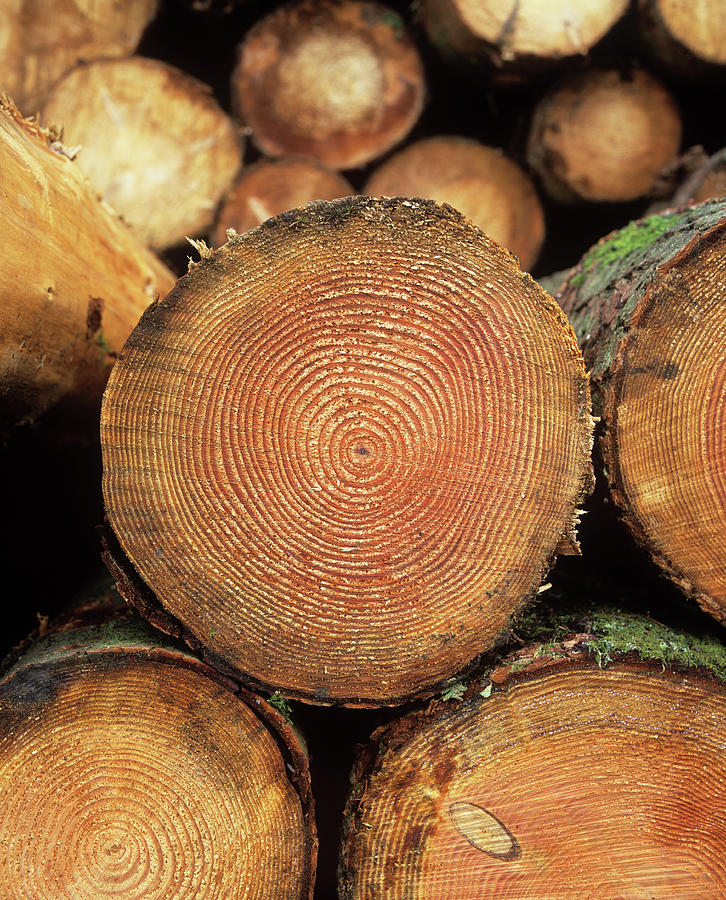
{"x": 348, "y": 456}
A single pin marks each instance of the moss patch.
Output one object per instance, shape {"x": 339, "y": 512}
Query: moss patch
{"x": 616, "y": 633}
{"x": 634, "y": 238}
{"x": 282, "y": 705}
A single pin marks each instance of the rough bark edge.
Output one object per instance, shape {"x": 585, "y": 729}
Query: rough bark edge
{"x": 696, "y": 166}
{"x": 103, "y": 625}
{"x": 600, "y": 638}
{"x": 605, "y": 296}
{"x": 611, "y": 456}
{"x": 334, "y": 214}
{"x": 603, "y": 290}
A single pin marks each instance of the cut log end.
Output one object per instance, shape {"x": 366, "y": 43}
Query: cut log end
{"x": 42, "y": 40}
{"x": 511, "y": 34}
{"x": 479, "y": 181}
{"x": 272, "y": 187}
{"x": 346, "y": 447}
{"x": 153, "y": 142}
{"x": 671, "y": 479}
{"x": 604, "y": 136}
{"x": 339, "y": 82}
{"x": 686, "y": 35}
{"x": 564, "y": 782}
{"x": 132, "y": 769}
{"x": 647, "y": 302}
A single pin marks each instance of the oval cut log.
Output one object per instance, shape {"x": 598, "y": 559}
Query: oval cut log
{"x": 128, "y": 768}
{"x": 566, "y": 782}
{"x": 347, "y": 448}
{"x": 269, "y": 187}
{"x": 647, "y": 304}
{"x": 341, "y": 82}
{"x": 604, "y": 135}
{"x": 154, "y": 143}
{"x": 517, "y": 34}
{"x": 479, "y": 181}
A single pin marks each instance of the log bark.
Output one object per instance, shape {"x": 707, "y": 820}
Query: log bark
{"x": 647, "y": 305}
{"x": 274, "y": 186}
{"x": 128, "y": 767}
{"x": 491, "y": 190}
{"x": 554, "y": 777}
{"x": 338, "y": 82}
{"x": 516, "y": 36}
{"x": 153, "y": 142}
{"x": 604, "y": 136}
{"x": 347, "y": 447}
{"x": 74, "y": 280}
{"x": 41, "y": 40}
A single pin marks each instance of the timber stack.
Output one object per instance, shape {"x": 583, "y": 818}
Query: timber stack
{"x": 361, "y": 476}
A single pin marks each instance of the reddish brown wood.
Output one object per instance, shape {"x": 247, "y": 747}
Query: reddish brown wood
{"x": 555, "y": 778}
{"x": 347, "y": 448}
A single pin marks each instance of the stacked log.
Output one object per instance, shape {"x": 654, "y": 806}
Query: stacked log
{"x": 74, "y": 279}
{"x": 481, "y": 182}
{"x": 269, "y": 187}
{"x": 604, "y": 135}
{"x": 647, "y": 304}
{"x": 555, "y": 777}
{"x": 129, "y": 768}
{"x": 343, "y": 453}
{"x": 153, "y": 142}
{"x": 41, "y": 40}
{"x": 360, "y": 421}
{"x": 338, "y": 82}
{"x": 516, "y": 36}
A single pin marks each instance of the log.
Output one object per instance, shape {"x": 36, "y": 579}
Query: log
{"x": 479, "y": 181}
{"x": 689, "y": 39}
{"x": 74, "y": 280}
{"x": 130, "y": 768}
{"x": 554, "y": 777}
{"x": 603, "y": 135}
{"x": 43, "y": 39}
{"x": 340, "y": 82}
{"x": 153, "y": 142}
{"x": 270, "y": 187}
{"x": 516, "y": 36}
{"x": 647, "y": 305}
{"x": 705, "y": 179}
{"x": 346, "y": 448}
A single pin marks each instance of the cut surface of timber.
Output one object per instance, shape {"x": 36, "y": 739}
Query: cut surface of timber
{"x": 74, "y": 279}
{"x": 697, "y": 27}
{"x": 339, "y": 82}
{"x": 347, "y": 447}
{"x": 40, "y": 40}
{"x": 129, "y": 768}
{"x": 273, "y": 186}
{"x": 153, "y": 142}
{"x": 563, "y": 781}
{"x": 647, "y": 305}
{"x": 517, "y": 31}
{"x": 479, "y": 181}
{"x": 604, "y": 136}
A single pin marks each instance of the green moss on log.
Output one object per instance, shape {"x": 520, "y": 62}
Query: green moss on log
{"x": 604, "y": 289}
